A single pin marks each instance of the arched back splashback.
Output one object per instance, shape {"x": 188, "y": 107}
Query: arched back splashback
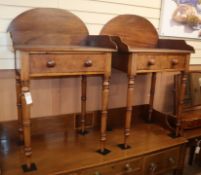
{"x": 47, "y": 26}
{"x": 133, "y": 30}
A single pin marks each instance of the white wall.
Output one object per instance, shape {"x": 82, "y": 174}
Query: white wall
{"x": 95, "y": 13}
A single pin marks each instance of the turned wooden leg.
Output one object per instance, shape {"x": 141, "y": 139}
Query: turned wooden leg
{"x": 26, "y": 120}
{"x": 83, "y": 105}
{"x": 130, "y": 93}
{"x": 152, "y": 93}
{"x": 105, "y": 98}
{"x": 19, "y": 108}
{"x": 27, "y": 130}
{"x": 178, "y": 131}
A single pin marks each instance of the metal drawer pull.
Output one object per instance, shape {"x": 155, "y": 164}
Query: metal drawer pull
{"x": 151, "y": 62}
{"x": 51, "y": 63}
{"x": 97, "y": 173}
{"x": 172, "y": 160}
{"x": 153, "y": 167}
{"x": 128, "y": 168}
{"x": 88, "y": 63}
{"x": 175, "y": 62}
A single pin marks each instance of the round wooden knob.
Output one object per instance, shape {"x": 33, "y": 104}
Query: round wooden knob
{"x": 88, "y": 63}
{"x": 128, "y": 168}
{"x": 153, "y": 167}
{"x": 151, "y": 62}
{"x": 172, "y": 160}
{"x": 51, "y": 63}
{"x": 175, "y": 62}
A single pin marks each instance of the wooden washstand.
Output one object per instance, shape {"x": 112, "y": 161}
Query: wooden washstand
{"x": 55, "y": 43}
{"x": 141, "y": 51}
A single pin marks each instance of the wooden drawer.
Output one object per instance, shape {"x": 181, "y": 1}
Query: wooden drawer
{"x": 161, "y": 162}
{"x": 172, "y": 158}
{"x": 100, "y": 170}
{"x": 67, "y": 63}
{"x": 127, "y": 167}
{"x": 149, "y": 61}
{"x": 174, "y": 62}
{"x": 160, "y": 61}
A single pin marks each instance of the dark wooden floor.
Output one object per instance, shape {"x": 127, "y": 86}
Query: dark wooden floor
{"x": 58, "y": 152}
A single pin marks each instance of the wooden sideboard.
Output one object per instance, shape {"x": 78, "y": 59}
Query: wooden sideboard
{"x": 152, "y": 154}
{"x": 68, "y": 153}
{"x": 55, "y": 43}
{"x": 141, "y": 51}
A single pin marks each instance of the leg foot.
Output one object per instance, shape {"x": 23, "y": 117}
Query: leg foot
{"x": 103, "y": 152}
{"x": 29, "y": 168}
{"x": 173, "y": 135}
{"x": 83, "y": 132}
{"x": 123, "y": 146}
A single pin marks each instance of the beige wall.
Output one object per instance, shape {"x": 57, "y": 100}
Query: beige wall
{"x": 95, "y": 13}
{"x": 59, "y": 96}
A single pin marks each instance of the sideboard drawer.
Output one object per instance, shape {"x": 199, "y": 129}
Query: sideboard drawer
{"x": 160, "y": 162}
{"x": 103, "y": 170}
{"x": 148, "y": 61}
{"x": 129, "y": 167}
{"x": 172, "y": 158}
{"x": 67, "y": 63}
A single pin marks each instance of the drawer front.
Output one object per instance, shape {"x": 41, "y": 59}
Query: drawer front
{"x": 174, "y": 62}
{"x": 148, "y": 61}
{"x": 127, "y": 167}
{"x": 102, "y": 170}
{"x": 161, "y": 162}
{"x": 172, "y": 158}
{"x": 67, "y": 63}
{"x": 159, "y": 62}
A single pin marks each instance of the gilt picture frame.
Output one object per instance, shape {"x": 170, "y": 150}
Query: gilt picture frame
{"x": 181, "y": 18}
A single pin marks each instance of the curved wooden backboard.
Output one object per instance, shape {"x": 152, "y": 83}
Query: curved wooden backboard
{"x": 42, "y": 23}
{"x": 134, "y": 31}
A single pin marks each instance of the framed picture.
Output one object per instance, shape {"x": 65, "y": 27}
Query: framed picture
{"x": 181, "y": 18}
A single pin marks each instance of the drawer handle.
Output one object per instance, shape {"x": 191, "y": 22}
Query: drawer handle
{"x": 51, "y": 63}
{"x": 151, "y": 62}
{"x": 175, "y": 62}
{"x": 128, "y": 168}
{"x": 88, "y": 63}
{"x": 97, "y": 173}
{"x": 153, "y": 167}
{"x": 172, "y": 160}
